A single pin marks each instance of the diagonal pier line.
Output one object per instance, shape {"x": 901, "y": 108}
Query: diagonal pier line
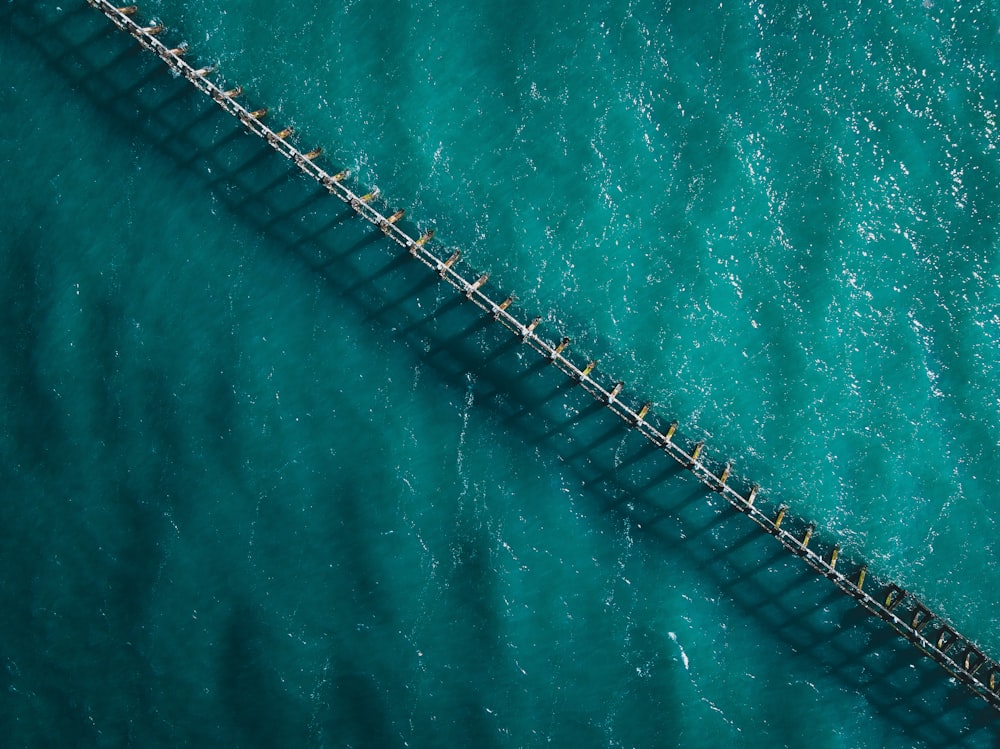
{"x": 904, "y": 613}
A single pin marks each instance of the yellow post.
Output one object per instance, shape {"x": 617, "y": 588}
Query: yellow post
{"x": 725, "y": 474}
{"x": 671, "y": 430}
{"x": 833, "y": 557}
{"x": 394, "y": 217}
{"x": 476, "y": 284}
{"x": 425, "y": 238}
{"x": 443, "y": 269}
{"x": 502, "y": 306}
{"x": 698, "y": 447}
{"x": 753, "y": 494}
{"x": 202, "y": 72}
{"x": 588, "y": 369}
{"x": 313, "y": 153}
{"x": 861, "y": 576}
{"x": 781, "y": 516}
{"x": 153, "y": 30}
{"x": 615, "y": 390}
{"x": 643, "y": 411}
{"x": 234, "y": 92}
{"x": 259, "y": 114}
{"x": 179, "y": 50}
{"x": 364, "y": 198}
{"x": 893, "y": 595}
{"x": 560, "y": 346}
{"x": 128, "y": 10}
{"x": 288, "y": 131}
{"x": 808, "y": 535}
{"x": 532, "y": 325}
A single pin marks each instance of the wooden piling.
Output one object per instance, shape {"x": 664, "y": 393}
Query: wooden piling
{"x": 180, "y": 50}
{"x": 861, "y": 576}
{"x": 588, "y": 369}
{"x": 973, "y": 659}
{"x": 476, "y": 284}
{"x": 313, "y": 153}
{"x": 613, "y": 394}
{"x": 724, "y": 476}
{"x": 643, "y": 411}
{"x": 808, "y": 535}
{"x": 752, "y": 495}
{"x": 153, "y": 29}
{"x": 780, "y": 516}
{"x": 893, "y": 595}
{"x": 259, "y": 114}
{"x": 947, "y": 637}
{"x": 669, "y": 434}
{"x": 128, "y": 10}
{"x": 233, "y": 92}
{"x": 695, "y": 453}
{"x": 563, "y": 343}
{"x": 443, "y": 270}
{"x": 502, "y": 306}
{"x": 530, "y": 327}
{"x": 288, "y": 131}
{"x": 833, "y": 557}
{"x": 921, "y": 616}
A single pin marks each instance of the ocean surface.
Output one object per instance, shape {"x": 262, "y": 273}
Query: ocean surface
{"x": 267, "y": 482}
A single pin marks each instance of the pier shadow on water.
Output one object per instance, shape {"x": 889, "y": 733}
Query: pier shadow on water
{"x": 623, "y": 476}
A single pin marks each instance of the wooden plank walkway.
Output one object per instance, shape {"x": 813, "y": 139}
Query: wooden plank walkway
{"x": 911, "y": 619}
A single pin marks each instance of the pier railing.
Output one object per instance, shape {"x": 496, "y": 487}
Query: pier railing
{"x": 903, "y": 612}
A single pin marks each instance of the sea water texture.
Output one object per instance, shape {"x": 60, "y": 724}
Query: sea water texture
{"x": 267, "y": 482}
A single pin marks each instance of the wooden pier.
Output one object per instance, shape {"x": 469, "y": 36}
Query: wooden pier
{"x": 911, "y": 619}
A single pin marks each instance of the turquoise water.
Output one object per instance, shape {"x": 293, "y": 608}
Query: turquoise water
{"x": 268, "y": 483}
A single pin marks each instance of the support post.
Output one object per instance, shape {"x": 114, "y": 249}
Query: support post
{"x": 752, "y": 495}
{"x": 563, "y": 343}
{"x": 970, "y": 664}
{"x": 179, "y": 50}
{"x": 128, "y": 10}
{"x": 233, "y": 92}
{"x": 502, "y": 306}
{"x": 671, "y": 431}
{"x": 259, "y": 114}
{"x": 893, "y": 595}
{"x": 946, "y": 638}
{"x": 780, "y": 516}
{"x": 529, "y": 328}
{"x": 588, "y": 369}
{"x": 642, "y": 412}
{"x": 695, "y": 453}
{"x": 861, "y": 576}
{"x": 384, "y": 225}
{"x": 724, "y": 476}
{"x": 833, "y": 557}
{"x": 611, "y": 396}
{"x": 202, "y": 72}
{"x": 920, "y": 618}
{"x": 476, "y": 284}
{"x": 288, "y": 131}
{"x": 443, "y": 269}
{"x": 808, "y": 535}
{"x": 313, "y": 153}
{"x": 153, "y": 29}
